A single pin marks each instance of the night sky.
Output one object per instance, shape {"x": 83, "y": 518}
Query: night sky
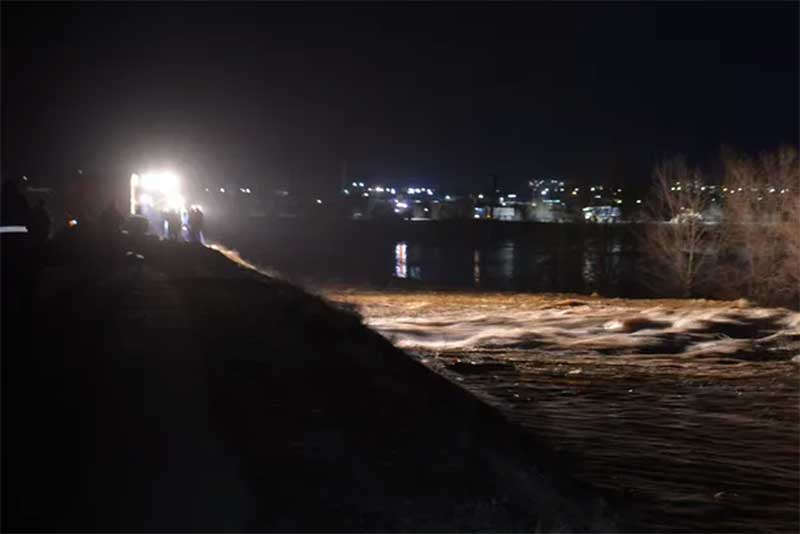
{"x": 273, "y": 95}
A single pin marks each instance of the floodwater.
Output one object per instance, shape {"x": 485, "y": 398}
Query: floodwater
{"x": 685, "y": 411}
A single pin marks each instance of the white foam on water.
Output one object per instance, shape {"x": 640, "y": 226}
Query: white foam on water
{"x": 689, "y": 404}
{"x": 604, "y": 326}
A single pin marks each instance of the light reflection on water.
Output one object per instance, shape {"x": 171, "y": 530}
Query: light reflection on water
{"x": 686, "y": 409}
{"x": 507, "y": 265}
{"x": 476, "y": 267}
{"x": 530, "y": 258}
{"x": 401, "y": 260}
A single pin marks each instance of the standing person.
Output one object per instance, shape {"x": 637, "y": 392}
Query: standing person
{"x": 196, "y": 225}
{"x": 15, "y": 210}
{"x": 111, "y": 220}
{"x": 39, "y": 233}
{"x": 174, "y": 225}
{"x": 39, "y": 227}
{"x": 16, "y": 281}
{"x": 109, "y": 233}
{"x": 200, "y": 226}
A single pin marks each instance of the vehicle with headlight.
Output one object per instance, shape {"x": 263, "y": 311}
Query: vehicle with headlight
{"x": 155, "y": 195}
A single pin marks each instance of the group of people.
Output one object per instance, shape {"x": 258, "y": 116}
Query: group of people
{"x": 35, "y": 220}
{"x": 194, "y": 225}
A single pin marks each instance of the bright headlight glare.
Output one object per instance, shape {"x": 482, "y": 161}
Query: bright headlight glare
{"x": 165, "y": 182}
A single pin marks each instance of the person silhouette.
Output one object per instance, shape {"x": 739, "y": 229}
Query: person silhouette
{"x": 39, "y": 224}
{"x": 15, "y": 209}
{"x": 196, "y": 225}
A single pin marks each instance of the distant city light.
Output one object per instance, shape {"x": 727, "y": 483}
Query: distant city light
{"x": 221, "y": 189}
{"x": 319, "y": 201}
{"x": 480, "y": 195}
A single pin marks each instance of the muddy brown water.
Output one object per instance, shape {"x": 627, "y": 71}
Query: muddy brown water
{"x": 686, "y": 411}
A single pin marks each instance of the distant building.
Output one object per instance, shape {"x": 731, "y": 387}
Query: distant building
{"x": 552, "y": 189}
{"x": 602, "y": 214}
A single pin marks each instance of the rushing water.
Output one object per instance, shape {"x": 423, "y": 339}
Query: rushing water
{"x": 685, "y": 410}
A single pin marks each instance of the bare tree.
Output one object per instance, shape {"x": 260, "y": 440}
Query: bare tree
{"x": 762, "y": 225}
{"x": 680, "y": 246}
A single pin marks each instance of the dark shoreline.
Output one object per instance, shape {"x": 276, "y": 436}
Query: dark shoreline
{"x": 185, "y": 392}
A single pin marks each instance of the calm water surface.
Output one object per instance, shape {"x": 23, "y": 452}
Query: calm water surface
{"x": 468, "y": 255}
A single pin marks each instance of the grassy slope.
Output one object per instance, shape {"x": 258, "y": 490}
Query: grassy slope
{"x": 188, "y": 393}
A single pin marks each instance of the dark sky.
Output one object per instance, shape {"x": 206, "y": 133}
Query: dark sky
{"x": 268, "y": 94}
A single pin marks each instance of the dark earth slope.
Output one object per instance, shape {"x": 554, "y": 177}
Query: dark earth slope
{"x": 186, "y": 392}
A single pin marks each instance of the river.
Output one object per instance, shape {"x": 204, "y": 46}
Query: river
{"x": 684, "y": 411}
